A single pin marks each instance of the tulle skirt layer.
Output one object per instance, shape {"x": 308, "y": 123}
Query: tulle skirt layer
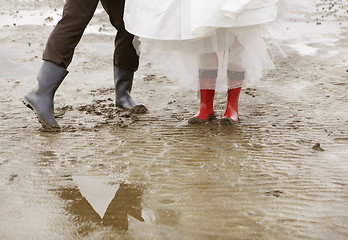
{"x": 183, "y": 37}
{"x": 235, "y": 49}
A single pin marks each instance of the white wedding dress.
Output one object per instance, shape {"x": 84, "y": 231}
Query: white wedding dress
{"x": 174, "y": 34}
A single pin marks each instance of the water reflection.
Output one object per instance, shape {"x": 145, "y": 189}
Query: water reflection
{"x": 93, "y": 203}
{"x": 46, "y": 158}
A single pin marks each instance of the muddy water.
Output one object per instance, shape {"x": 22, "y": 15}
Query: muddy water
{"x": 281, "y": 173}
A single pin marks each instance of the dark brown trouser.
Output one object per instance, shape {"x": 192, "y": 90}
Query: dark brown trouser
{"x": 68, "y": 32}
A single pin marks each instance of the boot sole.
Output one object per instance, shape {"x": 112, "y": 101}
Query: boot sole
{"x": 137, "y": 109}
{"x": 46, "y": 126}
{"x": 196, "y": 120}
{"x": 227, "y": 121}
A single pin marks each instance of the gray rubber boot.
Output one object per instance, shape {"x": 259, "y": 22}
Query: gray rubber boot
{"x": 123, "y": 79}
{"x": 40, "y": 99}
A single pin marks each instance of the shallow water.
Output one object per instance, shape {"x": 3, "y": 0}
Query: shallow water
{"x": 112, "y": 175}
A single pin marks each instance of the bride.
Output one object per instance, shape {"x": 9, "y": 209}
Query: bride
{"x": 206, "y": 44}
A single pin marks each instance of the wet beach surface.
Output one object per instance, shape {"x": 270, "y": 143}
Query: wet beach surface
{"x": 281, "y": 173}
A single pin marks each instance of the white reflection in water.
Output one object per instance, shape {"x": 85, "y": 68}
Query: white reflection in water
{"x": 96, "y": 191}
{"x": 304, "y": 49}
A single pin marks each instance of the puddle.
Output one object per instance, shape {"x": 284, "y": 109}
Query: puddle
{"x": 96, "y": 191}
{"x": 98, "y": 201}
{"x": 49, "y": 17}
{"x": 40, "y": 17}
{"x": 9, "y": 60}
{"x": 113, "y": 175}
{"x": 302, "y": 37}
{"x": 303, "y": 49}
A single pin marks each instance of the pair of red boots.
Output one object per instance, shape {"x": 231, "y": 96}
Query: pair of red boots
{"x": 206, "y": 110}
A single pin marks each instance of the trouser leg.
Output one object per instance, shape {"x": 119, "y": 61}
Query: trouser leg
{"x": 126, "y": 60}
{"x": 125, "y": 56}
{"x": 66, "y": 35}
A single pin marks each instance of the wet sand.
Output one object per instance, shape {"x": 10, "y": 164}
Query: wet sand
{"x": 281, "y": 173}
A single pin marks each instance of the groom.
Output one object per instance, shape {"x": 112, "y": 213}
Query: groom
{"x": 59, "y": 52}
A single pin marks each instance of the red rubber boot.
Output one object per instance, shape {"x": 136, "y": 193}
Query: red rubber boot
{"x": 231, "y": 114}
{"x": 206, "y": 110}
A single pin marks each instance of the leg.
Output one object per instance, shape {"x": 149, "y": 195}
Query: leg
{"x": 57, "y": 57}
{"x": 41, "y": 98}
{"x": 207, "y": 80}
{"x": 235, "y": 76}
{"x": 125, "y": 56}
{"x": 235, "y": 80}
{"x": 126, "y": 60}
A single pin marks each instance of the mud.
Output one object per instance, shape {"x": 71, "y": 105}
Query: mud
{"x": 280, "y": 173}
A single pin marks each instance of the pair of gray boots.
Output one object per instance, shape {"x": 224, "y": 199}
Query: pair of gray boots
{"x": 51, "y": 76}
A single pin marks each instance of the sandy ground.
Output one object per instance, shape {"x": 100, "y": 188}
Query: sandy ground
{"x": 281, "y": 173}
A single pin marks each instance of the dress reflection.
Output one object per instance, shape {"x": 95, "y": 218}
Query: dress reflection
{"x": 126, "y": 202}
